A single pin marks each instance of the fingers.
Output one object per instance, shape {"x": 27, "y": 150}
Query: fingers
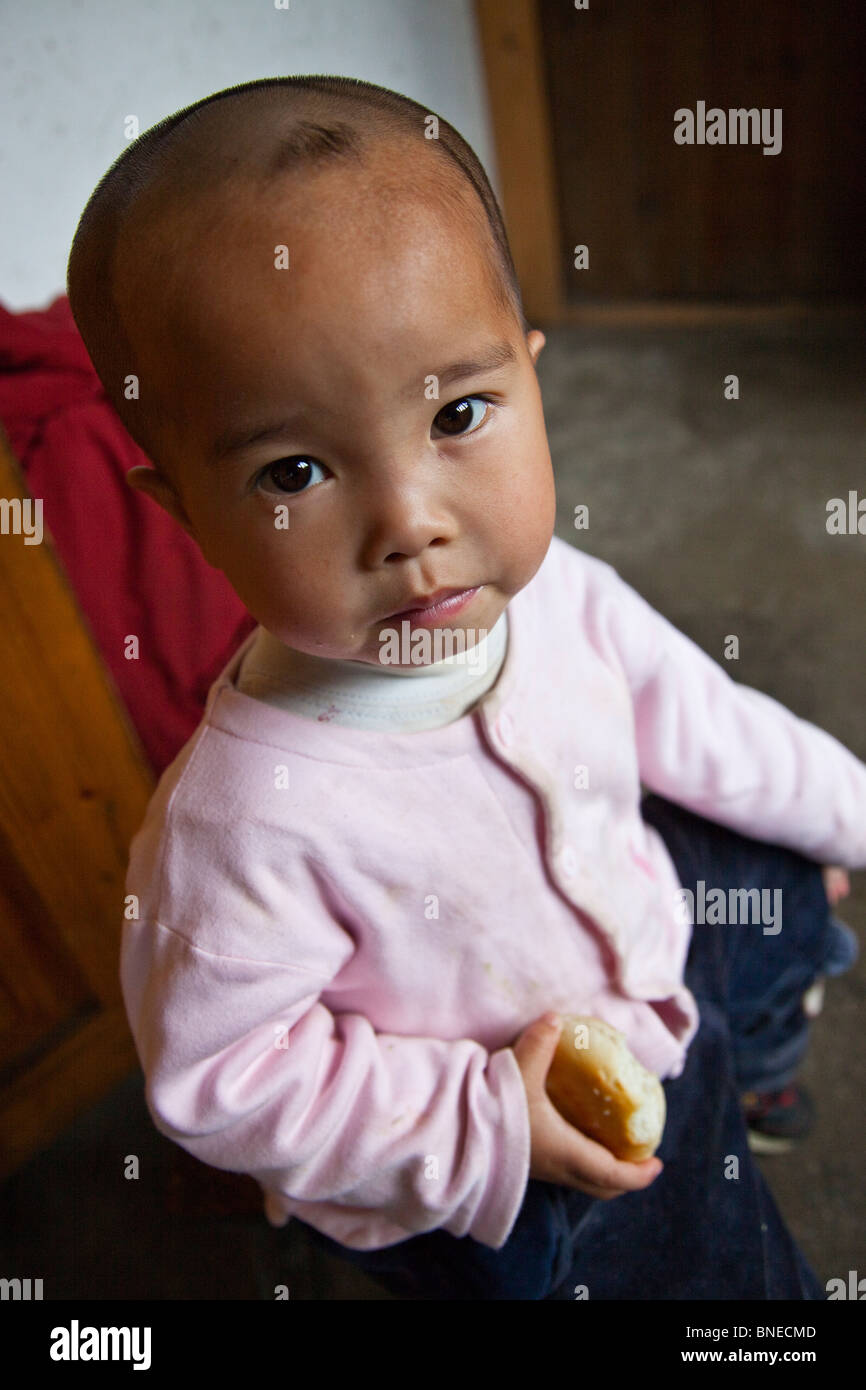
{"x": 836, "y": 882}
{"x": 606, "y": 1194}
{"x": 534, "y": 1051}
{"x": 625, "y": 1177}
{"x": 595, "y": 1170}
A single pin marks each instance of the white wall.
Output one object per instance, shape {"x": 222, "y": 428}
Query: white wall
{"x": 72, "y": 70}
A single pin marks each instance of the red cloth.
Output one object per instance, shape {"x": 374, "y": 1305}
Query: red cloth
{"x": 131, "y": 566}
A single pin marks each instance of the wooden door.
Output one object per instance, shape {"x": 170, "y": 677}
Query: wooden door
{"x": 583, "y": 105}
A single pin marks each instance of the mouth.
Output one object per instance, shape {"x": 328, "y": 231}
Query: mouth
{"x": 432, "y": 608}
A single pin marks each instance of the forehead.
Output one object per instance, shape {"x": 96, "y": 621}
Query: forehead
{"x": 388, "y": 268}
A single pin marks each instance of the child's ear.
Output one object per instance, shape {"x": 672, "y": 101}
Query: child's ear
{"x": 157, "y": 486}
{"x": 535, "y": 341}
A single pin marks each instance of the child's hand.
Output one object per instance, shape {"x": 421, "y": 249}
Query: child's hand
{"x": 836, "y": 884}
{"x": 560, "y": 1153}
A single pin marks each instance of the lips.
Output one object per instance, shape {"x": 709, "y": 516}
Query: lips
{"x": 431, "y": 607}
{"x": 428, "y": 600}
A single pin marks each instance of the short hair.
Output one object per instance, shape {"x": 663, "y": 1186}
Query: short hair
{"x": 306, "y": 121}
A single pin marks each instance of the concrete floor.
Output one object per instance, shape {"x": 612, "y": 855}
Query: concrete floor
{"x": 715, "y": 511}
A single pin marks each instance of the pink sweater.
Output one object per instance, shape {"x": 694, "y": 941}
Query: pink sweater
{"x": 341, "y": 932}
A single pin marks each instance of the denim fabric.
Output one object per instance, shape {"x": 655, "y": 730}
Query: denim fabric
{"x": 757, "y": 975}
{"x": 708, "y": 1227}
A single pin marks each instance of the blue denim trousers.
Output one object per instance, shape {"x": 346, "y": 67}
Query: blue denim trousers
{"x": 707, "y": 1227}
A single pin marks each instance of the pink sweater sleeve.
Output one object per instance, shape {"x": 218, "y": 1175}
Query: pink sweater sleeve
{"x": 248, "y": 1070}
{"x": 729, "y": 752}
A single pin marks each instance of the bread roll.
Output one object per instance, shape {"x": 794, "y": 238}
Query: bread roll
{"x": 601, "y": 1088}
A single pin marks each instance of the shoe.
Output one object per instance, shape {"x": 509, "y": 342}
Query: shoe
{"x": 777, "y": 1120}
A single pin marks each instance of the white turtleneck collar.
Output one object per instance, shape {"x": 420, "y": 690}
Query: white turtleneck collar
{"x": 363, "y": 696}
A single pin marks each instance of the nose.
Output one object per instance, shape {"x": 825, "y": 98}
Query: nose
{"x": 405, "y": 514}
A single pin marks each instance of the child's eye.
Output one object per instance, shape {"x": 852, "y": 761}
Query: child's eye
{"x": 460, "y": 416}
{"x": 291, "y": 474}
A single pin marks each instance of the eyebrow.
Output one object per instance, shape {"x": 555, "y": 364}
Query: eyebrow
{"x": 491, "y": 359}
{"x": 497, "y": 355}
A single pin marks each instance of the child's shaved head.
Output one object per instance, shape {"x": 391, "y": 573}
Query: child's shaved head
{"x": 155, "y": 205}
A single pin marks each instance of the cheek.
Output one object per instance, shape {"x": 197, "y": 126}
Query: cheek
{"x": 541, "y": 491}
{"x": 522, "y": 505}
{"x": 530, "y": 527}
{"x": 276, "y": 564}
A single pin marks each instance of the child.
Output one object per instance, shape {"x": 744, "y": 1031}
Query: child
{"x": 374, "y": 867}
